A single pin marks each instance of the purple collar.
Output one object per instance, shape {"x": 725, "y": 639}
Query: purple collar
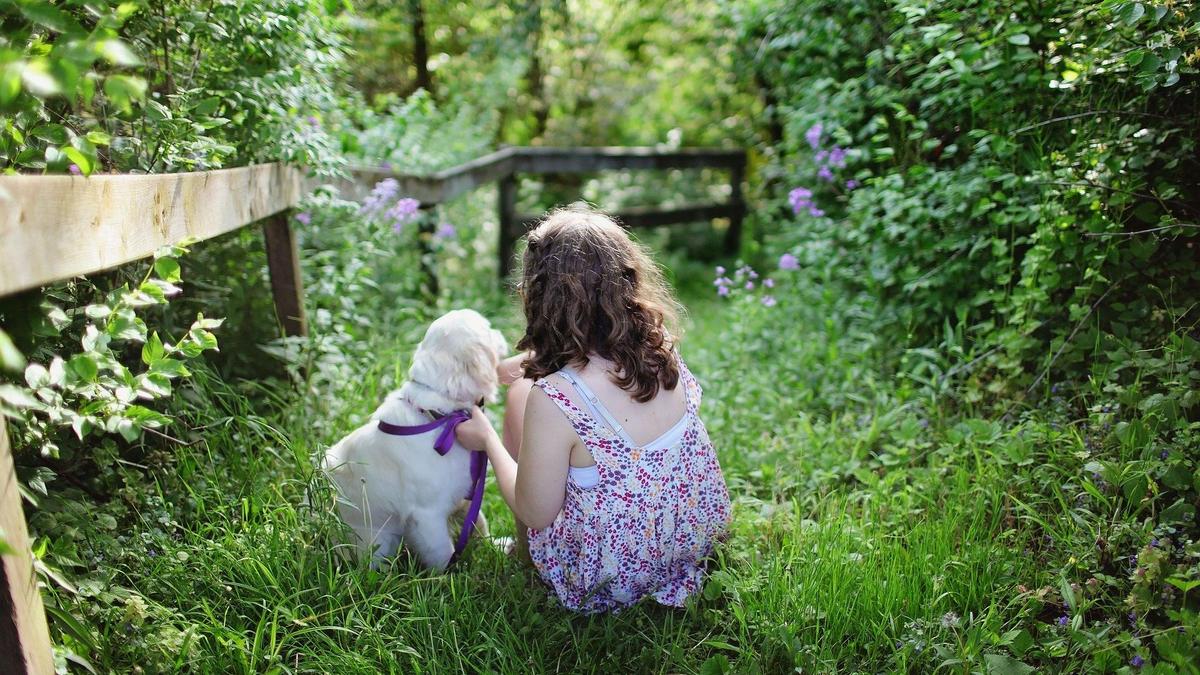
{"x": 445, "y": 440}
{"x": 442, "y": 445}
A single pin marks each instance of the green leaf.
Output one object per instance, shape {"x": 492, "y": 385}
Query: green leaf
{"x": 1132, "y": 13}
{"x": 84, "y": 367}
{"x": 124, "y": 90}
{"x": 18, "y": 397}
{"x": 119, "y": 53}
{"x": 10, "y": 81}
{"x": 51, "y": 133}
{"x": 79, "y": 159}
{"x": 47, "y": 15}
{"x": 1019, "y": 39}
{"x": 98, "y": 137}
{"x": 1002, "y": 664}
{"x": 153, "y": 349}
{"x": 1183, "y": 583}
{"x": 38, "y": 79}
{"x": 36, "y": 376}
{"x": 10, "y": 356}
{"x": 167, "y": 269}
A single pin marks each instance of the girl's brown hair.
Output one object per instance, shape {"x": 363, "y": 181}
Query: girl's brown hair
{"x": 587, "y": 288}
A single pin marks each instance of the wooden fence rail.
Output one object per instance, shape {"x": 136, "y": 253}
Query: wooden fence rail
{"x": 58, "y": 227}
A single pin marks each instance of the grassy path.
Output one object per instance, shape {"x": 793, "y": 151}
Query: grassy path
{"x": 866, "y": 534}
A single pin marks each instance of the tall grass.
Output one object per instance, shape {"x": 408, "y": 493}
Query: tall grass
{"x": 873, "y": 531}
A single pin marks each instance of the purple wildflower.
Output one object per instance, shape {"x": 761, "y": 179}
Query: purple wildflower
{"x": 749, "y": 285}
{"x": 1154, "y": 543}
{"x": 383, "y": 192}
{"x": 769, "y": 283}
{"x": 403, "y": 211}
{"x": 815, "y": 212}
{"x": 821, "y": 156}
{"x": 313, "y": 121}
{"x": 75, "y": 170}
{"x": 304, "y": 218}
{"x": 1137, "y": 661}
{"x": 1064, "y": 621}
{"x": 852, "y": 184}
{"x": 825, "y": 174}
{"x": 722, "y": 291}
{"x": 720, "y": 271}
{"x": 800, "y": 199}
{"x": 768, "y": 301}
{"x": 445, "y": 231}
{"x": 813, "y": 135}
{"x": 787, "y": 261}
{"x": 1163, "y": 455}
{"x": 837, "y": 157}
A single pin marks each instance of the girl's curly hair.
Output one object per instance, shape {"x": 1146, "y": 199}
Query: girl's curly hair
{"x": 587, "y": 288}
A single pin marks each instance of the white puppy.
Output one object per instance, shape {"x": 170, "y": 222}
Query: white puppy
{"x": 396, "y": 489}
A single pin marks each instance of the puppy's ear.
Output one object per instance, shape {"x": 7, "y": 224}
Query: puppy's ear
{"x": 473, "y": 374}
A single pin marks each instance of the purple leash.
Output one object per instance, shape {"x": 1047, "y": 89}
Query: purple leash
{"x": 442, "y": 445}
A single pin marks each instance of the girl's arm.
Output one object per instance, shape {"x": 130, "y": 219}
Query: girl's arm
{"x": 535, "y": 493}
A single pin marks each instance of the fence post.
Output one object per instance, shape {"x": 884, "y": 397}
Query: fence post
{"x": 733, "y": 236}
{"x": 283, "y": 262}
{"x": 24, "y": 635}
{"x": 508, "y": 223}
{"x": 425, "y": 232}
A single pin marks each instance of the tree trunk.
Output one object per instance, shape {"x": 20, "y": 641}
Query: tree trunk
{"x": 420, "y": 46}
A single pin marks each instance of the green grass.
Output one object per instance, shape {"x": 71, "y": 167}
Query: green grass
{"x": 876, "y": 529}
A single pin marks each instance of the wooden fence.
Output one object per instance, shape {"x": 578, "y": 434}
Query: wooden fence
{"x": 58, "y": 227}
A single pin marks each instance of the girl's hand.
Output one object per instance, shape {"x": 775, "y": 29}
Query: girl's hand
{"x": 509, "y": 370}
{"x": 476, "y": 433}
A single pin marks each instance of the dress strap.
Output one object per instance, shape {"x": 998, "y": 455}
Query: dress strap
{"x": 584, "y": 424}
{"x": 593, "y": 403}
{"x": 691, "y": 387}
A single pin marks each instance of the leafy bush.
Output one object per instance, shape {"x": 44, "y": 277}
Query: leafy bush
{"x": 1022, "y": 175}
{"x": 1007, "y": 186}
{"x": 167, "y": 86}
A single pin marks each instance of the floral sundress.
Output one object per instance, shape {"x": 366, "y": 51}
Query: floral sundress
{"x": 646, "y": 526}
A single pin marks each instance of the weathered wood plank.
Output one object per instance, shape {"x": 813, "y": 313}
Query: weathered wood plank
{"x": 436, "y": 188}
{"x": 588, "y": 160}
{"x": 287, "y": 285}
{"x": 57, "y": 227}
{"x": 24, "y": 635}
{"x": 651, "y": 217}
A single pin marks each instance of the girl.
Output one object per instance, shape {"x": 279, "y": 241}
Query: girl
{"x": 617, "y": 482}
